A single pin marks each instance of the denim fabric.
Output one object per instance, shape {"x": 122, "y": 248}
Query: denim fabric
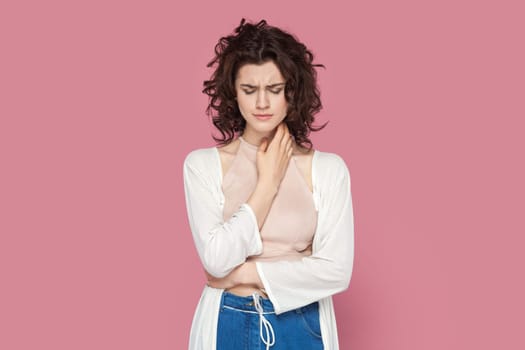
{"x": 240, "y": 328}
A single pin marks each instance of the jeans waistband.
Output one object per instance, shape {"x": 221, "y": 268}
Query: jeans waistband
{"x": 245, "y": 303}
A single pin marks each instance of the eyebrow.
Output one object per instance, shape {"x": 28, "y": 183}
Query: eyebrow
{"x": 270, "y": 86}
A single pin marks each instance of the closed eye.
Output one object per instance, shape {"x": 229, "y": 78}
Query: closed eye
{"x": 272, "y": 91}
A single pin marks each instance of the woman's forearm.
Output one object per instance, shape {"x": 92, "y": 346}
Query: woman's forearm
{"x": 261, "y": 200}
{"x": 248, "y": 275}
{"x": 245, "y": 274}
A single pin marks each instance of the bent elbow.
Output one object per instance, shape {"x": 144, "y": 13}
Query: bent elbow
{"x": 345, "y": 283}
{"x": 216, "y": 273}
{"x": 218, "y": 265}
{"x": 220, "y": 256}
{"x": 215, "y": 268}
{"x": 344, "y": 277}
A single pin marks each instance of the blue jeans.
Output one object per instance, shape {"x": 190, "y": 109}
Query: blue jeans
{"x": 250, "y": 323}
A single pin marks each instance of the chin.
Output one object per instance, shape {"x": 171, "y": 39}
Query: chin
{"x": 264, "y": 129}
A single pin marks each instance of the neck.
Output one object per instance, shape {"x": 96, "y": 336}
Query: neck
{"x": 256, "y": 138}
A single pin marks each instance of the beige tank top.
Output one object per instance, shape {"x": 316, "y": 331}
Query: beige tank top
{"x": 288, "y": 230}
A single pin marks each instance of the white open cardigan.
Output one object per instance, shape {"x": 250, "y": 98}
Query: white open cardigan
{"x": 223, "y": 245}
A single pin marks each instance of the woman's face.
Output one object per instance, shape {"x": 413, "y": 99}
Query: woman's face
{"x": 261, "y": 100}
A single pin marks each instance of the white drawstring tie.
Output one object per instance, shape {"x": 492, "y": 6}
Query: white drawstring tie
{"x": 269, "y": 337}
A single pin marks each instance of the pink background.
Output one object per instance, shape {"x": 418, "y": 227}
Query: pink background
{"x": 101, "y": 101}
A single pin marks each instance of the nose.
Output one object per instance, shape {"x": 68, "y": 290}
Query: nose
{"x": 262, "y": 99}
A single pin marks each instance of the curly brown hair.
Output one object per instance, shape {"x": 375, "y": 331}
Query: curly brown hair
{"x": 257, "y": 44}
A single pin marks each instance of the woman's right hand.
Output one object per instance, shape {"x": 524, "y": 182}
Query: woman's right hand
{"x": 272, "y": 161}
{"x": 273, "y": 158}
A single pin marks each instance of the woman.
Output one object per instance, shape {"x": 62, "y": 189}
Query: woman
{"x": 272, "y": 220}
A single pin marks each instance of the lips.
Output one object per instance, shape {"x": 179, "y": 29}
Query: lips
{"x": 262, "y": 116}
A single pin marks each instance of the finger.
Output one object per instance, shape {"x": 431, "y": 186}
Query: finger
{"x": 263, "y": 146}
{"x": 287, "y": 131}
{"x": 285, "y": 139}
{"x": 284, "y": 128}
{"x": 276, "y": 137}
{"x": 279, "y": 132}
{"x": 289, "y": 143}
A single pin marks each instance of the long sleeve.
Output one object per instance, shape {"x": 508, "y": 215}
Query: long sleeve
{"x": 292, "y": 284}
{"x": 221, "y": 245}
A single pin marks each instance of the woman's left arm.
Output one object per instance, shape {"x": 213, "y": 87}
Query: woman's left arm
{"x": 292, "y": 284}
